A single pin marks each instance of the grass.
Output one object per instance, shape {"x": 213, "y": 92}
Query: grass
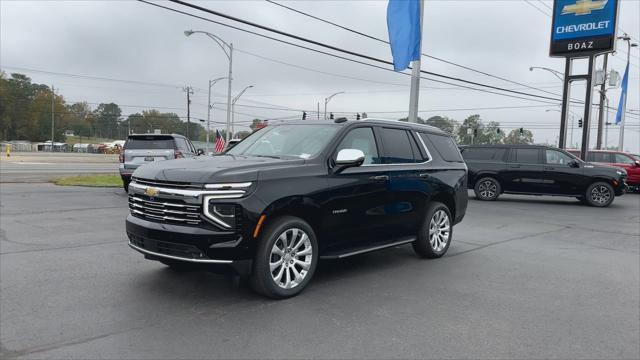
{"x": 98, "y": 180}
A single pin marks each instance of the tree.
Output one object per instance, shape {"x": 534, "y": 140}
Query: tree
{"x": 242, "y": 134}
{"x": 470, "y": 129}
{"x": 255, "y": 124}
{"x": 442, "y": 123}
{"x": 517, "y": 137}
{"x": 80, "y": 118}
{"x": 107, "y": 117}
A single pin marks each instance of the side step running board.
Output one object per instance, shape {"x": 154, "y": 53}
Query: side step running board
{"x": 368, "y": 249}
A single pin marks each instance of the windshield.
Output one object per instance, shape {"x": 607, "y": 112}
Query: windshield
{"x": 300, "y": 140}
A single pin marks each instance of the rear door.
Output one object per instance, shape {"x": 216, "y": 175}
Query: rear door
{"x": 142, "y": 149}
{"x": 401, "y": 156}
{"x": 524, "y": 171}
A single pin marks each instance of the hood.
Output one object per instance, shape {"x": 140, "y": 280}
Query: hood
{"x": 212, "y": 169}
{"x": 604, "y": 168}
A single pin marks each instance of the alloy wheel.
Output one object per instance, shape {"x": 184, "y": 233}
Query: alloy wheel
{"x": 487, "y": 189}
{"x": 290, "y": 258}
{"x": 439, "y": 229}
{"x": 600, "y": 194}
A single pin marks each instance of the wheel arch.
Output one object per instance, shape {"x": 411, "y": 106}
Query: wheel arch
{"x": 301, "y": 207}
{"x": 449, "y": 200}
{"x": 480, "y": 175}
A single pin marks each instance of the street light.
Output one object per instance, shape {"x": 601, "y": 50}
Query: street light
{"x": 233, "y": 106}
{"x": 572, "y": 121}
{"x": 211, "y": 83}
{"x": 557, "y": 73}
{"x": 326, "y": 101}
{"x": 228, "y": 50}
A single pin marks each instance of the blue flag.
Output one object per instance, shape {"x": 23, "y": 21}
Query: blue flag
{"x": 622, "y": 105}
{"x": 403, "y": 23}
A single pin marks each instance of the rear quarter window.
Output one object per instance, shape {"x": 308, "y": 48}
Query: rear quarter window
{"x": 484, "y": 154}
{"x": 445, "y": 146}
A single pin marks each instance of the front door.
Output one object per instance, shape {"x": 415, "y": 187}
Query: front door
{"x": 357, "y": 196}
{"x": 560, "y": 177}
{"x": 524, "y": 172}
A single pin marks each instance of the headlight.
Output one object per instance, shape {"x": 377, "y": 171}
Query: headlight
{"x": 222, "y": 214}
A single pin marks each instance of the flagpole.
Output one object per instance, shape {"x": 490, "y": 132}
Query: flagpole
{"x": 415, "y": 76}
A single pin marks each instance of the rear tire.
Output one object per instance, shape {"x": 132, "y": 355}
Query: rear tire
{"x": 599, "y": 194}
{"x": 487, "y": 189}
{"x": 286, "y": 258}
{"x": 435, "y": 233}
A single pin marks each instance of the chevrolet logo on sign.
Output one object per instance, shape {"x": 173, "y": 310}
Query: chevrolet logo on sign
{"x": 151, "y": 191}
{"x": 584, "y": 7}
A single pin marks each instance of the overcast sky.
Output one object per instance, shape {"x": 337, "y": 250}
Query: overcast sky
{"x": 139, "y": 42}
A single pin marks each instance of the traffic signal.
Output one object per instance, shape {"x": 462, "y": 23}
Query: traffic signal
{"x": 358, "y": 116}
{"x": 521, "y": 131}
{"x": 579, "y": 123}
{"x": 498, "y": 131}
{"x": 475, "y": 132}
{"x": 331, "y": 116}
{"x": 304, "y": 115}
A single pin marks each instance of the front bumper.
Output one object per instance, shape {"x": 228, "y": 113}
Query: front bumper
{"x": 158, "y": 241}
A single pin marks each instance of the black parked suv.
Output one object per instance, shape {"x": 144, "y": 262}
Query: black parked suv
{"x": 540, "y": 170}
{"x": 296, "y": 192}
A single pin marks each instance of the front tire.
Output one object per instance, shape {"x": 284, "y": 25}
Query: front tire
{"x": 599, "y": 194}
{"x": 125, "y": 184}
{"x": 487, "y": 189}
{"x": 435, "y": 233}
{"x": 286, "y": 258}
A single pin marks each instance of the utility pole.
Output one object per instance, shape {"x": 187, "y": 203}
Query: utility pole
{"x": 603, "y": 95}
{"x": 53, "y": 95}
{"x": 189, "y": 91}
{"x": 318, "y": 110}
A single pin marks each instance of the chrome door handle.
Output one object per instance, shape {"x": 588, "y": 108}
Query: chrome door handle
{"x": 380, "y": 178}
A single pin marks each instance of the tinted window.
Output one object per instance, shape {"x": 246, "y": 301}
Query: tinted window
{"x": 182, "y": 145}
{"x": 149, "y": 142}
{"x": 486, "y": 154}
{"x": 623, "y": 159}
{"x": 527, "y": 156}
{"x": 557, "y": 157}
{"x": 599, "y": 157}
{"x": 397, "y": 146}
{"x": 363, "y": 140}
{"x": 445, "y": 146}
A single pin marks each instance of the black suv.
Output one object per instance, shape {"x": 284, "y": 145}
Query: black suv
{"x": 540, "y": 170}
{"x": 295, "y": 192}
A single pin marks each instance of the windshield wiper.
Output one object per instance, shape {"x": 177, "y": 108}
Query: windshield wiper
{"x": 267, "y": 156}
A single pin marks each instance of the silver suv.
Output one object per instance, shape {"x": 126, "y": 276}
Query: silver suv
{"x": 145, "y": 148}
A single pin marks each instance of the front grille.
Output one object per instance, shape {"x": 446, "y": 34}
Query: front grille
{"x": 166, "y": 184}
{"x": 167, "y": 248}
{"x": 164, "y": 210}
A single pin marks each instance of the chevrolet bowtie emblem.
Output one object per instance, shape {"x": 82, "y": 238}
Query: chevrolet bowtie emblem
{"x": 151, "y": 191}
{"x": 584, "y": 7}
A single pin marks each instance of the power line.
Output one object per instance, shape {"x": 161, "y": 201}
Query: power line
{"x": 423, "y": 54}
{"x": 146, "y": 83}
{"x": 331, "y": 47}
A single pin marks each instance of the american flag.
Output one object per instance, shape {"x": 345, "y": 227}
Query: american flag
{"x": 219, "y": 142}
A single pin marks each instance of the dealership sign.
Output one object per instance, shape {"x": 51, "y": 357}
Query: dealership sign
{"x": 582, "y": 27}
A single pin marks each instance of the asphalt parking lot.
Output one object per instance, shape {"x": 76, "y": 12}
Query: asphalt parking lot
{"x": 525, "y": 277}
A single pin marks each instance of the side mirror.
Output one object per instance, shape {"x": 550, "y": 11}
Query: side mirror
{"x": 348, "y": 158}
{"x": 636, "y": 163}
{"x": 200, "y": 152}
{"x": 574, "y": 164}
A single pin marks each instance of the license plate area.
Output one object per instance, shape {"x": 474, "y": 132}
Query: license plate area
{"x": 149, "y": 158}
